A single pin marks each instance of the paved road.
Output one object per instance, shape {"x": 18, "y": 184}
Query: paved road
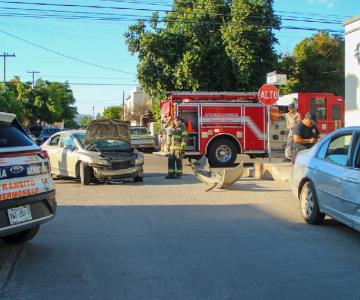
{"x": 171, "y": 240}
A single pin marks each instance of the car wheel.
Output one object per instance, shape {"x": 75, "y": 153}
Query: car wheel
{"x": 85, "y": 173}
{"x": 309, "y": 205}
{"x": 22, "y": 236}
{"x": 222, "y": 153}
{"x": 138, "y": 179}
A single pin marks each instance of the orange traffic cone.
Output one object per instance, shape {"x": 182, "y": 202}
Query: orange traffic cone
{"x": 189, "y": 126}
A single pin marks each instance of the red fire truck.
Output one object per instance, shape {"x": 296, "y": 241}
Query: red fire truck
{"x": 221, "y": 125}
{"x": 328, "y": 108}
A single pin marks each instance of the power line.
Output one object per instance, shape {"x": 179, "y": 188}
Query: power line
{"x": 101, "y": 84}
{"x": 64, "y": 55}
{"x": 120, "y": 8}
{"x": 116, "y": 17}
{"x": 162, "y": 21}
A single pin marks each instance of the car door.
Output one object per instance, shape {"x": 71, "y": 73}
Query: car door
{"x": 351, "y": 185}
{"x": 333, "y": 161}
{"x": 68, "y": 156}
{"x": 52, "y": 149}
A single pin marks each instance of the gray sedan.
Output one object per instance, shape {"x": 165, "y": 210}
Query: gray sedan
{"x": 326, "y": 178}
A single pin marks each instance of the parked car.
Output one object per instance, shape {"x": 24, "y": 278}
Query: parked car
{"x": 142, "y": 139}
{"x": 326, "y": 178}
{"x": 27, "y": 193}
{"x": 101, "y": 153}
{"x": 45, "y": 134}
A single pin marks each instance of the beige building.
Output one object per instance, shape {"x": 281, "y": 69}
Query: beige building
{"x": 352, "y": 71}
{"x": 137, "y": 104}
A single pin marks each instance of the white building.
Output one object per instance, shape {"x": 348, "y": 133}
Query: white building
{"x": 352, "y": 71}
{"x": 137, "y": 104}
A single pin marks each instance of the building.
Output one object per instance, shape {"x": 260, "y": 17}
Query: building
{"x": 352, "y": 71}
{"x": 138, "y": 104}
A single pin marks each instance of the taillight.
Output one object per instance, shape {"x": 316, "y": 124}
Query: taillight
{"x": 43, "y": 154}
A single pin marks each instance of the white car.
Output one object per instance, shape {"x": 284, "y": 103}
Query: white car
{"x": 326, "y": 178}
{"x": 102, "y": 153}
{"x": 27, "y": 192}
{"x": 142, "y": 139}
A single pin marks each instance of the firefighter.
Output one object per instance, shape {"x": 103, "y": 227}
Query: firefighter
{"x": 293, "y": 118}
{"x": 306, "y": 134}
{"x": 176, "y": 144}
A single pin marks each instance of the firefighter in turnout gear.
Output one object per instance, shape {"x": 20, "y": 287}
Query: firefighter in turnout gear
{"x": 176, "y": 144}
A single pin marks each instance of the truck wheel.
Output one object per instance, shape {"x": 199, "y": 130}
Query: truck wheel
{"x": 22, "y": 236}
{"x": 309, "y": 205}
{"x": 85, "y": 173}
{"x": 222, "y": 153}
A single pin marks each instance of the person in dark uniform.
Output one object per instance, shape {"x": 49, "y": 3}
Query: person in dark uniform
{"x": 176, "y": 143}
{"x": 306, "y": 134}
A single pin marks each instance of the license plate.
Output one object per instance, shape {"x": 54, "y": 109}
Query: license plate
{"x": 18, "y": 215}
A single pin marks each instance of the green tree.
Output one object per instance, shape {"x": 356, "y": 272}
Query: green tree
{"x": 250, "y": 40}
{"x": 85, "y": 121}
{"x": 9, "y": 103}
{"x": 113, "y": 112}
{"x": 202, "y": 47}
{"x": 317, "y": 65}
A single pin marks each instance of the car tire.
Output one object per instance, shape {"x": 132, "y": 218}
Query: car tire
{"x": 222, "y": 153}
{"x": 22, "y": 236}
{"x": 309, "y": 205}
{"x": 85, "y": 173}
{"x": 138, "y": 179}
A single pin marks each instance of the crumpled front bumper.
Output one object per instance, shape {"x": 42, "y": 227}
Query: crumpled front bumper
{"x": 108, "y": 173}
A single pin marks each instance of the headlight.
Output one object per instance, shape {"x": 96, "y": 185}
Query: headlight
{"x": 139, "y": 158}
{"x": 101, "y": 162}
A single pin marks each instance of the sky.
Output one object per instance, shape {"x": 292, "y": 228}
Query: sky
{"x": 92, "y": 54}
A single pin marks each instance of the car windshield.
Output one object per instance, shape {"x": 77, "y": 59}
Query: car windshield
{"x": 12, "y": 137}
{"x": 105, "y": 145}
{"x": 81, "y": 138}
{"x": 139, "y": 130}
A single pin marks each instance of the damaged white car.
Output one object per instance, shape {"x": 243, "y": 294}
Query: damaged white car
{"x": 102, "y": 153}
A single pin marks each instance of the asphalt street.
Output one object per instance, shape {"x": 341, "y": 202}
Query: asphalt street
{"x": 169, "y": 239}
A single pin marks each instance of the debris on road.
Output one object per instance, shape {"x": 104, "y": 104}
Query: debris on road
{"x": 220, "y": 178}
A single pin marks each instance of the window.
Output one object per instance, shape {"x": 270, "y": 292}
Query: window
{"x": 318, "y": 107}
{"x": 139, "y": 131}
{"x": 12, "y": 137}
{"x": 336, "y": 112}
{"x": 55, "y": 140}
{"x": 339, "y": 149}
{"x": 67, "y": 142}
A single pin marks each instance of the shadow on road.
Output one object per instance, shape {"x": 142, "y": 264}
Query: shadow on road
{"x": 183, "y": 252}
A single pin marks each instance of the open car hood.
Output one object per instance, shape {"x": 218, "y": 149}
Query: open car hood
{"x": 107, "y": 130}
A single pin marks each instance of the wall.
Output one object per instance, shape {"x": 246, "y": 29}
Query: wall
{"x": 352, "y": 72}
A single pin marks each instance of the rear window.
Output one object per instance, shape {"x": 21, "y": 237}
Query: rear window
{"x": 12, "y": 137}
{"x": 139, "y": 130}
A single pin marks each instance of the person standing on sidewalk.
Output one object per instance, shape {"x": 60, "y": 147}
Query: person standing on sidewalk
{"x": 306, "y": 134}
{"x": 176, "y": 145}
{"x": 293, "y": 118}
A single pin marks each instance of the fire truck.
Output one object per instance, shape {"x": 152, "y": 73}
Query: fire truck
{"x": 328, "y": 108}
{"x": 221, "y": 125}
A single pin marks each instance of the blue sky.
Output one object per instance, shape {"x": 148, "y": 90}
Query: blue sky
{"x": 103, "y": 43}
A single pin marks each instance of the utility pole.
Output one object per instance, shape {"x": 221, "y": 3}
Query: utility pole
{"x": 93, "y": 112}
{"x": 5, "y": 56}
{"x": 33, "y": 76}
{"x": 123, "y": 105}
